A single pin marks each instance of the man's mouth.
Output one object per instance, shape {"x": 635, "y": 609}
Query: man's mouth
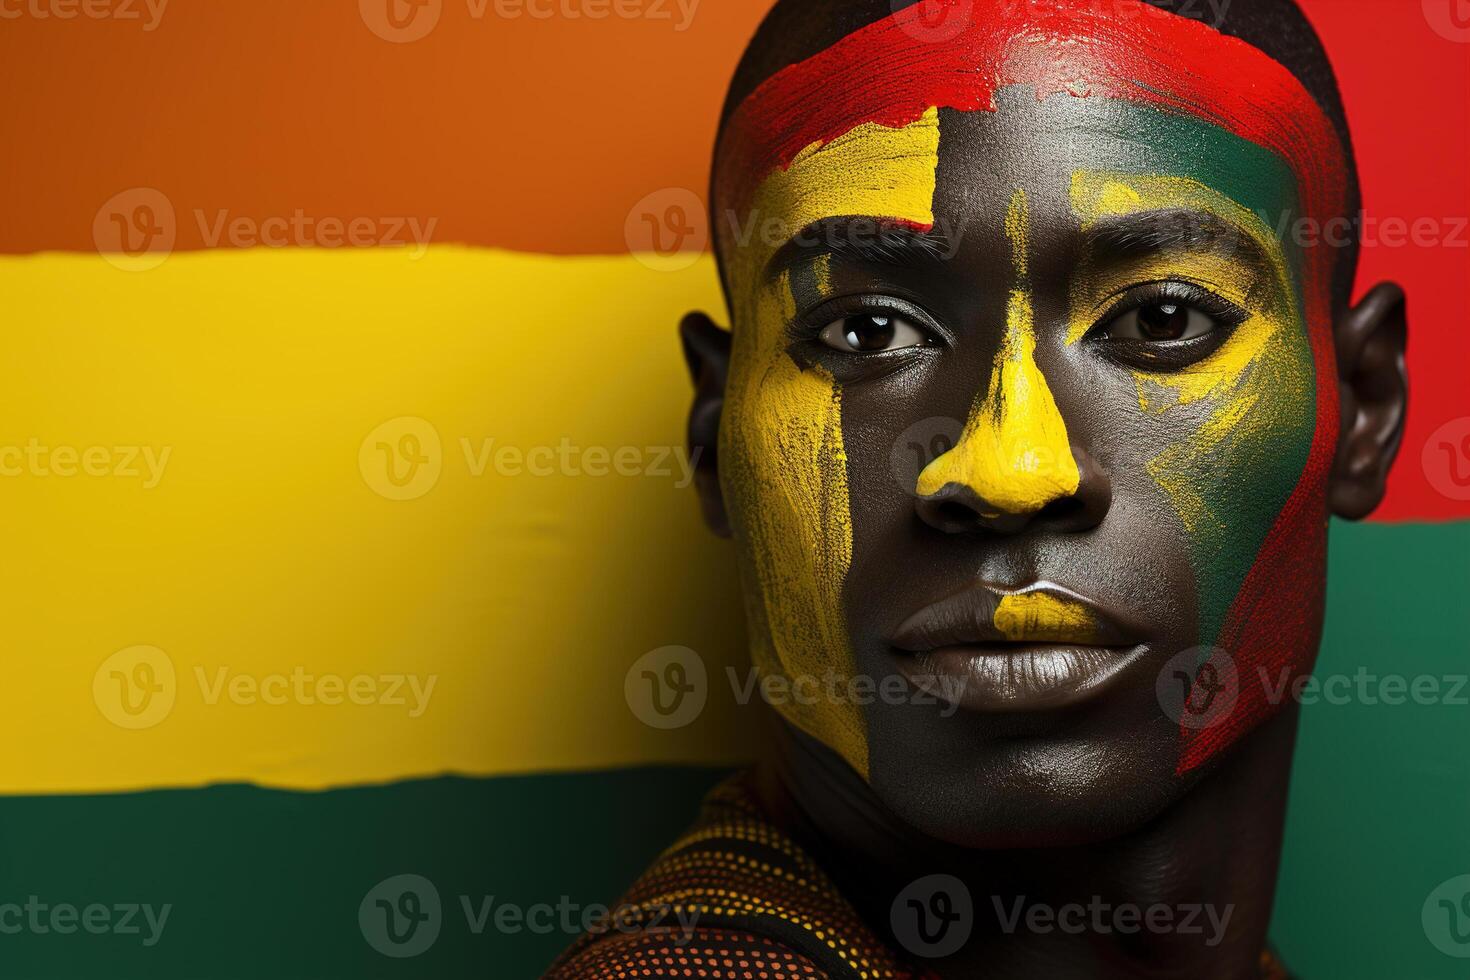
{"x": 1035, "y": 648}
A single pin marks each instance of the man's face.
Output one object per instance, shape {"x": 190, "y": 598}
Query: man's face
{"x": 1025, "y": 408}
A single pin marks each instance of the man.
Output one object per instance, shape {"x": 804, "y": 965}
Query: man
{"x": 1043, "y": 380}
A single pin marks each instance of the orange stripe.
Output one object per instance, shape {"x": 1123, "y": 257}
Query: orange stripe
{"x": 526, "y": 133}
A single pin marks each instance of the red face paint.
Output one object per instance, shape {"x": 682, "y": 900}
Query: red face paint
{"x": 956, "y": 54}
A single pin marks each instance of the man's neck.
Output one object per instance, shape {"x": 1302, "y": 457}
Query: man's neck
{"x": 1209, "y": 861}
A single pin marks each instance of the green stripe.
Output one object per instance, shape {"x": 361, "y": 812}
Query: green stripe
{"x": 1380, "y": 796}
{"x": 267, "y": 883}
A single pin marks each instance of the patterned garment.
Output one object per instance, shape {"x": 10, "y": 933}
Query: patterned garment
{"x": 736, "y": 899}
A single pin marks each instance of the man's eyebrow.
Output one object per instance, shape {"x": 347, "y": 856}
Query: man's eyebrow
{"x": 1170, "y": 229}
{"x": 861, "y": 239}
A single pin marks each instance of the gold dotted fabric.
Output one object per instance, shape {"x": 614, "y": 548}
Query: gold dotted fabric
{"x": 736, "y": 899}
{"x": 759, "y": 909}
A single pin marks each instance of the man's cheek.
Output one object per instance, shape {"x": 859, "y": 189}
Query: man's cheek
{"x": 1230, "y": 440}
{"x": 1228, "y": 475}
{"x": 787, "y": 482}
{"x": 1229, "y": 480}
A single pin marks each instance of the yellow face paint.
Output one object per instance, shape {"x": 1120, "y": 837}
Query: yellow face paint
{"x": 1041, "y": 616}
{"x": 822, "y": 273}
{"x": 1257, "y": 382}
{"x": 1176, "y": 469}
{"x": 783, "y": 465}
{"x": 1013, "y": 451}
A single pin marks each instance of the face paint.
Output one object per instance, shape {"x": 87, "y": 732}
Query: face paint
{"x": 885, "y": 75}
{"x": 1253, "y": 396}
{"x": 836, "y": 135}
{"x": 1039, "y": 616}
{"x": 781, "y": 428}
{"x": 1013, "y": 452}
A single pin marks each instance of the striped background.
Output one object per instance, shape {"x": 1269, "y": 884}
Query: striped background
{"x": 535, "y": 316}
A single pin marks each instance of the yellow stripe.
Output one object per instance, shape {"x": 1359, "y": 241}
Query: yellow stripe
{"x": 268, "y": 539}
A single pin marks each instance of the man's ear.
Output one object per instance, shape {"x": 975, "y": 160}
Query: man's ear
{"x": 1373, "y": 393}
{"x": 707, "y": 352}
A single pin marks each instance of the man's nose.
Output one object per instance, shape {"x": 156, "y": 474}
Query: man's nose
{"x": 962, "y": 505}
{"x": 1014, "y": 466}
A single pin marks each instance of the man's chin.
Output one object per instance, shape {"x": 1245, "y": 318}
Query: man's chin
{"x": 1049, "y": 799}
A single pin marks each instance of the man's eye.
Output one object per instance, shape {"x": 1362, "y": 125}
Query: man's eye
{"x": 871, "y": 333}
{"x": 1161, "y": 319}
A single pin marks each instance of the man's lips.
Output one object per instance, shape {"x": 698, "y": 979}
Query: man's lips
{"x": 1040, "y": 647}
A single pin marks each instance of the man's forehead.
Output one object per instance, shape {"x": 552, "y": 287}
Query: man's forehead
{"x": 1045, "y": 149}
{"x": 1042, "y": 145}
{"x": 961, "y": 54}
